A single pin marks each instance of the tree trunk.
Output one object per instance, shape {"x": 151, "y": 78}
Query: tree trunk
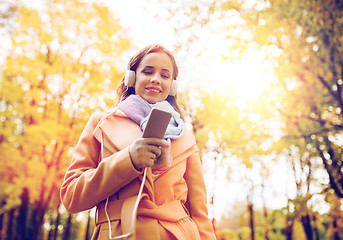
{"x": 266, "y": 223}
{"x": 251, "y": 220}
{"x": 334, "y": 172}
{"x": 289, "y": 227}
{"x": 67, "y": 228}
{"x": 9, "y": 231}
{"x": 336, "y": 215}
{"x": 51, "y": 232}
{"x": 335, "y": 230}
{"x": 250, "y": 207}
{"x": 315, "y": 227}
{"x": 22, "y": 216}
{"x": 306, "y": 222}
{"x": 88, "y": 226}
{"x": 39, "y": 212}
{"x": 265, "y": 212}
{"x": 57, "y": 222}
{"x": 35, "y": 227}
{"x": 1, "y": 225}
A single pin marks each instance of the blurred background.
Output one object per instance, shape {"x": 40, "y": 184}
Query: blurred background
{"x": 261, "y": 85}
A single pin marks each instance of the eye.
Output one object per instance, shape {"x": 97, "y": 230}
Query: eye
{"x": 147, "y": 72}
{"x": 165, "y": 76}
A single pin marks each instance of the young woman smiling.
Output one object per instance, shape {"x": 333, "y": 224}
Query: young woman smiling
{"x": 143, "y": 188}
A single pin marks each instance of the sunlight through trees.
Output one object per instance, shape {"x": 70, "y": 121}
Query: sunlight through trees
{"x": 261, "y": 83}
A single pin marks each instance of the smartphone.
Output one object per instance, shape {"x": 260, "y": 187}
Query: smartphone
{"x": 157, "y": 124}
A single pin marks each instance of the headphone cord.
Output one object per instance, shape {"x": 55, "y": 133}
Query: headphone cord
{"x": 134, "y": 214}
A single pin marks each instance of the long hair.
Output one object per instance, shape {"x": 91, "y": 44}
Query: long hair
{"x": 123, "y": 92}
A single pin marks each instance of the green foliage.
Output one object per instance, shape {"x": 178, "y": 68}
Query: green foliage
{"x": 244, "y": 233}
{"x": 226, "y": 234}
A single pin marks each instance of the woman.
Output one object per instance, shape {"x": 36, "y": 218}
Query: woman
{"x": 112, "y": 163}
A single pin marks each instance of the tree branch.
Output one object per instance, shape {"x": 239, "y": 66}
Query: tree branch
{"x": 327, "y": 86}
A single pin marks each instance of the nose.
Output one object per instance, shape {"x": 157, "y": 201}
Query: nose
{"x": 156, "y": 79}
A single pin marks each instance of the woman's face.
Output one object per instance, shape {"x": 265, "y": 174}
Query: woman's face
{"x": 154, "y": 76}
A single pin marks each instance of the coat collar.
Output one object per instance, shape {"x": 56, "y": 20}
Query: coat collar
{"x": 121, "y": 131}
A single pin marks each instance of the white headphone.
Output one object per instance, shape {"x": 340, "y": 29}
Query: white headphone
{"x": 130, "y": 79}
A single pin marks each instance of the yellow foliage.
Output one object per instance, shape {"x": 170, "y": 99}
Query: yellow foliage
{"x": 51, "y": 84}
{"x": 232, "y": 4}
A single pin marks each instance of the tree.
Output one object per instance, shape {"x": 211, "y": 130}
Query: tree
{"x": 61, "y": 67}
{"x": 225, "y": 133}
{"x": 308, "y": 45}
{"x": 305, "y": 40}
{"x": 304, "y": 37}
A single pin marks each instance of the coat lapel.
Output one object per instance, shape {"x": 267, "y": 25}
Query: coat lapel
{"x": 119, "y": 132}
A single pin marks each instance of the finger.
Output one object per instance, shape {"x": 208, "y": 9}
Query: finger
{"x": 151, "y": 160}
{"x": 153, "y": 156}
{"x": 157, "y": 142}
{"x": 155, "y": 150}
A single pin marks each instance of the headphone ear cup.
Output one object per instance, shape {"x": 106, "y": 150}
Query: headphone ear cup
{"x": 173, "y": 88}
{"x": 130, "y": 78}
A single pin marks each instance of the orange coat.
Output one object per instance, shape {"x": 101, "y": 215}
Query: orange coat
{"x": 174, "y": 201}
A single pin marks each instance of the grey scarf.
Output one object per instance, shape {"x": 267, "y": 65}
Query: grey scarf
{"x": 138, "y": 110}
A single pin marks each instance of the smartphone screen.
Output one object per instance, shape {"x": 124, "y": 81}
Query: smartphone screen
{"x": 157, "y": 124}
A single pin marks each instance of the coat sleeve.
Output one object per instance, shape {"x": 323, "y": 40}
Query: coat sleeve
{"x": 88, "y": 181}
{"x": 197, "y": 198}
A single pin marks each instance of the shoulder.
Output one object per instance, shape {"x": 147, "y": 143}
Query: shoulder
{"x": 186, "y": 143}
{"x": 95, "y": 120}
{"x": 189, "y": 136}
{"x": 96, "y": 117}
{"x": 186, "y": 136}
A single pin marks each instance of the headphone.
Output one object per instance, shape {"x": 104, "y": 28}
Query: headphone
{"x": 130, "y": 79}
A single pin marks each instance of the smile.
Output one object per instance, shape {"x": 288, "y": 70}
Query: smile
{"x": 153, "y": 90}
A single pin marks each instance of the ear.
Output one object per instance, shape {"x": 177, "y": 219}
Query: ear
{"x": 130, "y": 78}
{"x": 173, "y": 88}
